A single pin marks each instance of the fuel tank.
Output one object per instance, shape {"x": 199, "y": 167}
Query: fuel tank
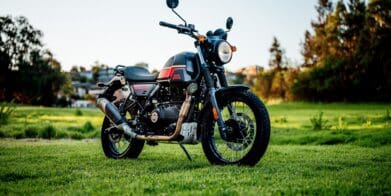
{"x": 180, "y": 69}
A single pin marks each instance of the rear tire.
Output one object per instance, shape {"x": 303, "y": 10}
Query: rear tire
{"x": 257, "y": 128}
{"x": 131, "y": 148}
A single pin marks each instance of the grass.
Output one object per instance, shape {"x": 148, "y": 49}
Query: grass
{"x": 364, "y": 125}
{"x": 351, "y": 155}
{"x": 79, "y": 167}
{"x": 66, "y": 123}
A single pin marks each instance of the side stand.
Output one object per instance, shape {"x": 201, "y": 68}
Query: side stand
{"x": 187, "y": 153}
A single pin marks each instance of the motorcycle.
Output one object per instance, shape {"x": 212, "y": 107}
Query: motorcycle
{"x": 188, "y": 102}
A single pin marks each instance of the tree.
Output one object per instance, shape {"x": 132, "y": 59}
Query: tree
{"x": 307, "y": 51}
{"x": 276, "y": 55}
{"x": 29, "y": 73}
{"x": 96, "y": 68}
{"x": 349, "y": 54}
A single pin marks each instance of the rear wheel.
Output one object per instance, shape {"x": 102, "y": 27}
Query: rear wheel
{"x": 117, "y": 145}
{"x": 247, "y": 137}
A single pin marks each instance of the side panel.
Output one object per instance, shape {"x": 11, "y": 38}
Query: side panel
{"x": 142, "y": 90}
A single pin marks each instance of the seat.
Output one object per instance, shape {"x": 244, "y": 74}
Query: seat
{"x": 138, "y": 74}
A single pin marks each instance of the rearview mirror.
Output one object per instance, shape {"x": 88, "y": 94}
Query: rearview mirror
{"x": 172, "y": 3}
{"x": 229, "y": 23}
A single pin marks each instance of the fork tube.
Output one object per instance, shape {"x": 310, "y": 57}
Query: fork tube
{"x": 212, "y": 91}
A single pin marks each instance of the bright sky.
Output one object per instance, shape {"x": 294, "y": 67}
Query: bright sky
{"x": 126, "y": 32}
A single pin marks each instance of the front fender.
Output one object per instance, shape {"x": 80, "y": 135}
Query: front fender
{"x": 224, "y": 90}
{"x": 221, "y": 91}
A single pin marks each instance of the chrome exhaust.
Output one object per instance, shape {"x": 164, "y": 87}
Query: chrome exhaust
{"x": 111, "y": 112}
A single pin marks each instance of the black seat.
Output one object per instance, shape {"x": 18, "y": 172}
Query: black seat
{"x": 138, "y": 74}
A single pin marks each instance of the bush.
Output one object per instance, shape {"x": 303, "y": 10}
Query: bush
{"x": 31, "y": 132}
{"x": 6, "y": 110}
{"x": 88, "y": 127}
{"x": 342, "y": 125}
{"x": 18, "y": 135}
{"x": 48, "y": 132}
{"x": 318, "y": 123}
{"x": 94, "y": 134}
{"x": 387, "y": 115}
{"x": 78, "y": 112}
{"x": 77, "y": 136}
{"x": 62, "y": 134}
{"x": 2, "y": 134}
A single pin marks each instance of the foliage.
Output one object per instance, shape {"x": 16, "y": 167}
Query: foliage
{"x": 276, "y": 84}
{"x": 276, "y": 55}
{"x": 6, "y": 110}
{"x": 290, "y": 123}
{"x": 88, "y": 127}
{"x": 31, "y": 132}
{"x": 347, "y": 58}
{"x": 341, "y": 125}
{"x": 318, "y": 122}
{"x": 77, "y": 136}
{"x": 78, "y": 112}
{"x": 28, "y": 73}
{"x": 48, "y": 132}
{"x": 387, "y": 115}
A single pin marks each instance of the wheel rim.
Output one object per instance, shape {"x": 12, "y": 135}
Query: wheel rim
{"x": 242, "y": 135}
{"x": 119, "y": 144}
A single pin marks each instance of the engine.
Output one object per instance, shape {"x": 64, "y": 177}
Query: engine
{"x": 164, "y": 117}
{"x": 165, "y": 114}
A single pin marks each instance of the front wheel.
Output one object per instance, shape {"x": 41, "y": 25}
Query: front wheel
{"x": 248, "y": 130}
{"x": 117, "y": 145}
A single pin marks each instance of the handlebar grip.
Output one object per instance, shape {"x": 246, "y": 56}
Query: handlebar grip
{"x": 166, "y": 24}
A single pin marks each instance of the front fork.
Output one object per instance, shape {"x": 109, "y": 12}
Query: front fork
{"x": 212, "y": 94}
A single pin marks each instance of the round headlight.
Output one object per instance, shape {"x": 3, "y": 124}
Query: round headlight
{"x": 224, "y": 51}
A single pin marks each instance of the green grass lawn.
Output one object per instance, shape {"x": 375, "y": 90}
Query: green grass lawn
{"x": 79, "y": 167}
{"x": 351, "y": 154}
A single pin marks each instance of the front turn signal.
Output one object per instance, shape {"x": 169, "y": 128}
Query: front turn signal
{"x": 215, "y": 115}
{"x": 233, "y": 48}
{"x": 201, "y": 38}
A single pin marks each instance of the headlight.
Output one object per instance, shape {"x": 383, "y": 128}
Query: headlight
{"x": 224, "y": 52}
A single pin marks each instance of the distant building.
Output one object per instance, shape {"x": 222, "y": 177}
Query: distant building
{"x": 244, "y": 75}
{"x": 83, "y": 104}
{"x": 250, "y": 72}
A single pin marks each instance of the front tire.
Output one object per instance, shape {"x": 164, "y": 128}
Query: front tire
{"x": 117, "y": 146}
{"x": 249, "y": 130}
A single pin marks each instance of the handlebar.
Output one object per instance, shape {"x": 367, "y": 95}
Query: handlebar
{"x": 184, "y": 29}
{"x": 166, "y": 24}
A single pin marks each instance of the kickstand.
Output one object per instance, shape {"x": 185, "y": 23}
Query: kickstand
{"x": 187, "y": 153}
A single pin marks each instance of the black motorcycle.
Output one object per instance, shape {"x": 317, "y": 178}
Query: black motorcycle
{"x": 189, "y": 101}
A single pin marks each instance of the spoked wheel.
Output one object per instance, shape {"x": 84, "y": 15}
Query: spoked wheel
{"x": 117, "y": 145}
{"x": 248, "y": 130}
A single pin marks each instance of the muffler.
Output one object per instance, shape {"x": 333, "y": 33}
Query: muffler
{"x": 111, "y": 112}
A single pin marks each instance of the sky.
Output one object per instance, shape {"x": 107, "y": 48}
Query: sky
{"x": 80, "y": 32}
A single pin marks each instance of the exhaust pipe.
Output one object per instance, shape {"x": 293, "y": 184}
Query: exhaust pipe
{"x": 111, "y": 112}
{"x": 182, "y": 115}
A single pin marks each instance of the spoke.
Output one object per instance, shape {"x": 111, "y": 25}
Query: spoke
{"x": 230, "y": 150}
